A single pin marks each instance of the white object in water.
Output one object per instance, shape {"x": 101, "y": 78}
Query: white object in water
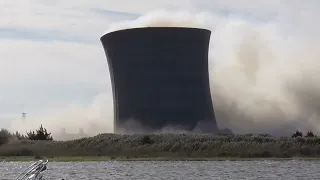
{"x": 33, "y": 172}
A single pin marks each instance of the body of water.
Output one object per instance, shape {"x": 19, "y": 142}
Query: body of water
{"x": 184, "y": 170}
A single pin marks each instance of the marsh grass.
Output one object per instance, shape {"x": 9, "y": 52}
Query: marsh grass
{"x": 169, "y": 146}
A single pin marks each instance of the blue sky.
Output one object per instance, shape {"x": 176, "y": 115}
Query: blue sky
{"x": 52, "y": 59}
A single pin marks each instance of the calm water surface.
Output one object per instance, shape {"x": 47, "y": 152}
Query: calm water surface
{"x": 226, "y": 170}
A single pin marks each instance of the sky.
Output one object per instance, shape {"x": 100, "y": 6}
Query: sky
{"x": 53, "y": 66}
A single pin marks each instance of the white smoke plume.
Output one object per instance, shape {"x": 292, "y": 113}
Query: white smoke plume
{"x": 164, "y": 19}
{"x": 263, "y": 75}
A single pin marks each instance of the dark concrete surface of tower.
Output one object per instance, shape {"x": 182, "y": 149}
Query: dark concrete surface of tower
{"x": 160, "y": 79}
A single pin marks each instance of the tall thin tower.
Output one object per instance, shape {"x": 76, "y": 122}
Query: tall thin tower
{"x": 24, "y": 115}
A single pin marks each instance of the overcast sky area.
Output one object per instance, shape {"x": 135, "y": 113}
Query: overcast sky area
{"x": 53, "y": 66}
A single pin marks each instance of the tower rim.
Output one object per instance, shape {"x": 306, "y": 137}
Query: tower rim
{"x": 154, "y": 27}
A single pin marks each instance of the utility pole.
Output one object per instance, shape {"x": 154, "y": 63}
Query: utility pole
{"x": 24, "y": 116}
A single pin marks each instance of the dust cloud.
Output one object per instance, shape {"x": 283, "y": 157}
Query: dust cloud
{"x": 263, "y": 74}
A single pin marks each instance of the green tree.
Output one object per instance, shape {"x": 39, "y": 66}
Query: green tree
{"x": 19, "y": 136}
{"x": 5, "y": 136}
{"x": 310, "y": 134}
{"x": 40, "y": 134}
{"x": 297, "y": 134}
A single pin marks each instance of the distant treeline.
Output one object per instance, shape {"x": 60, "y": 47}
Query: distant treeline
{"x": 167, "y": 145}
{"x": 39, "y": 134}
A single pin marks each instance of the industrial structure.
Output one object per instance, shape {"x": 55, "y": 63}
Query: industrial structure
{"x": 160, "y": 79}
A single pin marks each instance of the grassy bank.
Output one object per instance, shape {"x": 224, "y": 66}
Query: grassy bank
{"x": 107, "y": 158}
{"x": 164, "y": 147}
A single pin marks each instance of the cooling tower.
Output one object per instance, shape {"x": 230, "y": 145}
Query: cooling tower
{"x": 160, "y": 79}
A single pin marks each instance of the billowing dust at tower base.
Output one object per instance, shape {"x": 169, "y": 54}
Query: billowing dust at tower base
{"x": 160, "y": 79}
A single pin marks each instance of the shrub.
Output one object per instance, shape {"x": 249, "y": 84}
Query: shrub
{"x": 146, "y": 140}
{"x": 16, "y": 151}
{"x": 266, "y": 154}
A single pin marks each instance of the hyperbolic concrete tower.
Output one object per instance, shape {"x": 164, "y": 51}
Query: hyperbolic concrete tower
{"x": 160, "y": 79}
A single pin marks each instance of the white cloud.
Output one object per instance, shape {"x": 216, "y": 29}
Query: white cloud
{"x": 29, "y": 60}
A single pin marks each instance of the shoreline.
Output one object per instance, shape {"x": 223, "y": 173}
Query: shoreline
{"x": 108, "y": 158}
